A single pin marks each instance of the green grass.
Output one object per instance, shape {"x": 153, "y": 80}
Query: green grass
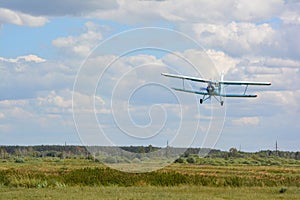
{"x": 49, "y": 173}
{"x": 150, "y": 192}
{"x": 84, "y": 179}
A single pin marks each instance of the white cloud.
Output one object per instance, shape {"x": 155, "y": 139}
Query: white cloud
{"x": 291, "y": 13}
{"x": 222, "y": 61}
{"x": 285, "y": 102}
{"x": 191, "y": 11}
{"x": 13, "y": 17}
{"x": 20, "y": 113}
{"x": 150, "y": 11}
{"x": 283, "y": 73}
{"x": 245, "y": 39}
{"x": 57, "y": 7}
{"x": 192, "y": 62}
{"x": 235, "y": 38}
{"x": 27, "y": 76}
{"x": 60, "y": 103}
{"x": 56, "y": 100}
{"x": 280, "y": 62}
{"x": 28, "y": 58}
{"x": 2, "y": 116}
{"x": 12, "y": 103}
{"x": 256, "y": 10}
{"x": 246, "y": 121}
{"x": 46, "y": 112}
{"x": 80, "y": 45}
{"x": 290, "y": 17}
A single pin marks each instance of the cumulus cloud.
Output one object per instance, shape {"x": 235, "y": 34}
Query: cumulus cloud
{"x": 289, "y": 45}
{"x": 256, "y": 10}
{"x": 291, "y": 13}
{"x": 43, "y": 119}
{"x": 282, "y": 78}
{"x": 254, "y": 40}
{"x": 235, "y": 38}
{"x": 45, "y": 105}
{"x": 290, "y": 17}
{"x": 147, "y": 11}
{"x": 2, "y": 115}
{"x": 57, "y": 7}
{"x": 80, "y": 45}
{"x": 27, "y": 58}
{"x": 222, "y": 61}
{"x": 252, "y": 121}
{"x": 26, "y": 76}
{"x": 192, "y": 62}
{"x": 8, "y": 16}
{"x": 192, "y": 11}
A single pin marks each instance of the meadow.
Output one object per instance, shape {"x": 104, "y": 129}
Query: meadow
{"x": 149, "y": 193}
{"x": 54, "y": 178}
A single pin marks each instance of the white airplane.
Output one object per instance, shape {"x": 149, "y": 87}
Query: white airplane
{"x": 215, "y": 88}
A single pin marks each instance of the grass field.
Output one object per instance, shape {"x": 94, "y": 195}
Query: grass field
{"x": 84, "y": 179}
{"x": 150, "y": 192}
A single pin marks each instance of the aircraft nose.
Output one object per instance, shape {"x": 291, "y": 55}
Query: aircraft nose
{"x": 210, "y": 89}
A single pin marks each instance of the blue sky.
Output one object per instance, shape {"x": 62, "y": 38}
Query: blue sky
{"x": 47, "y": 51}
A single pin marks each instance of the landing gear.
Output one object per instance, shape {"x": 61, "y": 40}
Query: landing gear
{"x": 222, "y": 103}
{"x": 204, "y": 99}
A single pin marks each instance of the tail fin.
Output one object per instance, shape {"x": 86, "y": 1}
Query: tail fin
{"x": 221, "y": 85}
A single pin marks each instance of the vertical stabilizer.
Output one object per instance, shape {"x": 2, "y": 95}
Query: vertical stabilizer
{"x": 221, "y": 85}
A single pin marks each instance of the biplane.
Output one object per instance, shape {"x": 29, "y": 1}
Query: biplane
{"x": 215, "y": 88}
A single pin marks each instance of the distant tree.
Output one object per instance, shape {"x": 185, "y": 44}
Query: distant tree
{"x": 141, "y": 149}
{"x": 191, "y": 160}
{"x": 179, "y": 160}
{"x": 233, "y": 152}
{"x": 3, "y": 153}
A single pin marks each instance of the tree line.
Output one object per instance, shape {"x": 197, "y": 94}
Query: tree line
{"x": 74, "y": 151}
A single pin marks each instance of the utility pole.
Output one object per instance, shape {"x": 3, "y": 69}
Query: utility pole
{"x": 276, "y": 147}
{"x": 167, "y": 149}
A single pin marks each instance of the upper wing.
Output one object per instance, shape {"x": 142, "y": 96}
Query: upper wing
{"x": 187, "y": 78}
{"x": 209, "y": 81}
{"x": 243, "y": 83}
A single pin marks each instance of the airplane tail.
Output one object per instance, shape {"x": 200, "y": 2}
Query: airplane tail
{"x": 221, "y": 85}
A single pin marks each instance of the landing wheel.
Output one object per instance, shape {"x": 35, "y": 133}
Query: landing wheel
{"x": 201, "y": 101}
{"x": 222, "y": 103}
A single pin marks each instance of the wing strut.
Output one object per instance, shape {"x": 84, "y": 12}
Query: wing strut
{"x": 246, "y": 89}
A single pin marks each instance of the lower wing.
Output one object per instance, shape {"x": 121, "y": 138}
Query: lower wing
{"x": 239, "y": 95}
{"x": 222, "y": 95}
{"x": 191, "y": 91}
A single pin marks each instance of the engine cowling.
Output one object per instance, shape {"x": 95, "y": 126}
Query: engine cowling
{"x": 210, "y": 89}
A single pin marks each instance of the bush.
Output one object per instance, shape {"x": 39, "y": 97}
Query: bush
{"x": 191, "y": 160}
{"x": 283, "y": 190}
{"x": 19, "y": 160}
{"x": 110, "y": 160}
{"x": 179, "y": 160}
